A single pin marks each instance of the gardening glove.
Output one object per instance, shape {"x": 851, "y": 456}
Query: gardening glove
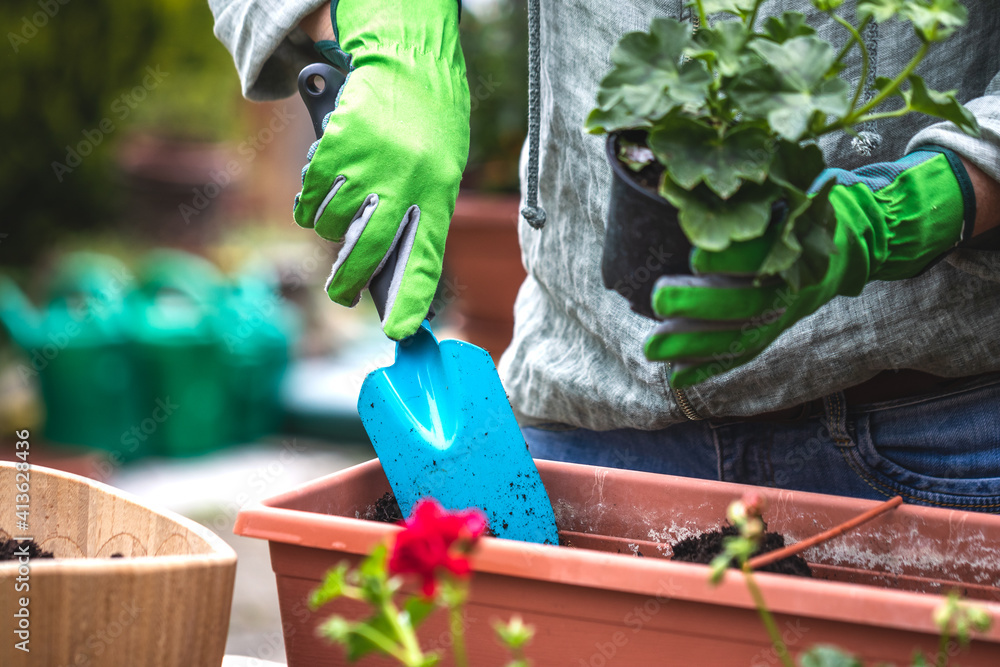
{"x": 892, "y": 221}
{"x": 385, "y": 174}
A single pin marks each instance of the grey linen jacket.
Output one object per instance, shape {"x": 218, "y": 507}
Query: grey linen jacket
{"x": 576, "y": 357}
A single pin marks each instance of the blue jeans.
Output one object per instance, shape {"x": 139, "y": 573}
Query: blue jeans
{"x": 940, "y": 449}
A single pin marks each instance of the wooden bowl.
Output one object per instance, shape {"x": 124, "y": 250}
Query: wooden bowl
{"x": 164, "y": 603}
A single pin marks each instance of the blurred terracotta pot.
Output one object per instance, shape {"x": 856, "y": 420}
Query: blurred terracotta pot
{"x": 874, "y": 590}
{"x": 483, "y": 270}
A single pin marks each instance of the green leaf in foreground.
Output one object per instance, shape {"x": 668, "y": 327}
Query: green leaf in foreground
{"x": 933, "y": 20}
{"x": 828, "y": 656}
{"x": 793, "y": 85}
{"x": 721, "y": 45}
{"x": 804, "y": 242}
{"x": 711, "y": 223}
{"x": 791, "y": 24}
{"x": 694, "y": 153}
{"x": 796, "y": 166}
{"x": 939, "y": 104}
{"x": 648, "y": 80}
{"x": 737, "y": 7}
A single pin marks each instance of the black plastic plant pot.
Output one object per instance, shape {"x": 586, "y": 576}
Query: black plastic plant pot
{"x": 643, "y": 240}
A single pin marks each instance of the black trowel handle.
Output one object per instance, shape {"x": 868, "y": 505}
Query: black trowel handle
{"x": 319, "y": 85}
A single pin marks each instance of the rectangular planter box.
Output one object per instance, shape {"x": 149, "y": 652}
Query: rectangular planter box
{"x": 164, "y": 603}
{"x": 611, "y": 597}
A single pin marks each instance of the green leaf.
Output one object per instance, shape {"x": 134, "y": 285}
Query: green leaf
{"x": 694, "y": 153}
{"x": 737, "y": 7}
{"x": 712, "y": 223}
{"x": 648, "y": 80}
{"x": 828, "y": 656}
{"x": 418, "y": 608}
{"x": 827, "y": 5}
{"x": 721, "y": 45}
{"x": 789, "y": 25}
{"x": 793, "y": 85}
{"x": 718, "y": 566}
{"x": 795, "y": 165}
{"x": 332, "y": 587}
{"x": 802, "y": 249}
{"x": 935, "y": 20}
{"x": 514, "y": 634}
{"x": 939, "y": 104}
{"x": 879, "y": 10}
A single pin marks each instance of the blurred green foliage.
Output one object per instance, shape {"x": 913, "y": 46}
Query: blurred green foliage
{"x": 496, "y": 56}
{"x": 77, "y": 77}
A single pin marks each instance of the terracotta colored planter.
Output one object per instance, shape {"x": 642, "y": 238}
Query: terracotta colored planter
{"x": 601, "y": 604}
{"x": 483, "y": 270}
{"x": 165, "y": 603}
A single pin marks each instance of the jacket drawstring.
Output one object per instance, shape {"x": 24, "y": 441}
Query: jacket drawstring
{"x": 869, "y": 138}
{"x": 532, "y": 213}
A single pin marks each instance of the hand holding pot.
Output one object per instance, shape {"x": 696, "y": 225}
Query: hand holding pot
{"x": 893, "y": 220}
{"x": 387, "y": 169}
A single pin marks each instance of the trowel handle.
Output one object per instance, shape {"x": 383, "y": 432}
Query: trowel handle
{"x": 319, "y": 85}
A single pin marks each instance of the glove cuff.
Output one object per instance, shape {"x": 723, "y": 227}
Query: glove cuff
{"x": 930, "y": 208}
{"x": 964, "y": 185}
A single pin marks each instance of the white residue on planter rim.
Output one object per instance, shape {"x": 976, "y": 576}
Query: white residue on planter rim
{"x": 913, "y": 553}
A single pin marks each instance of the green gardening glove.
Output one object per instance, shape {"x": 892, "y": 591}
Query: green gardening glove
{"x": 385, "y": 174}
{"x": 893, "y": 220}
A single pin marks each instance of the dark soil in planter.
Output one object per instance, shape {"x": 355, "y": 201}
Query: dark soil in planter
{"x": 705, "y": 547}
{"x": 385, "y": 509}
{"x": 13, "y": 549}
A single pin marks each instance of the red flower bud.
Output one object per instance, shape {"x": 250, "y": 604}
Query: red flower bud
{"x": 434, "y": 539}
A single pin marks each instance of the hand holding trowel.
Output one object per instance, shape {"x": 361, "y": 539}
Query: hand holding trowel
{"x": 439, "y": 418}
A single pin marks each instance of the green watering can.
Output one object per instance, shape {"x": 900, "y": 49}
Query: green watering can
{"x": 215, "y": 351}
{"x": 176, "y": 361}
{"x": 77, "y": 348}
{"x": 257, "y": 328}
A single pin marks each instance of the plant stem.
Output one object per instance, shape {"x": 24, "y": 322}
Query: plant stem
{"x": 854, "y": 117}
{"x": 941, "y": 659}
{"x": 885, "y": 114}
{"x": 406, "y": 634}
{"x": 765, "y": 615}
{"x": 385, "y": 644}
{"x": 457, "y": 635}
{"x": 702, "y": 18}
{"x": 753, "y": 16}
{"x": 792, "y": 549}
{"x": 898, "y": 81}
{"x": 865, "y": 56}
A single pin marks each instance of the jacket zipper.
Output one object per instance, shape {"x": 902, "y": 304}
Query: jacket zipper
{"x": 684, "y": 403}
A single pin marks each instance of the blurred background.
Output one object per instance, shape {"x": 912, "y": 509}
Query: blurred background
{"x": 163, "y": 323}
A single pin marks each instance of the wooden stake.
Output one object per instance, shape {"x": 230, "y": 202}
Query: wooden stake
{"x": 792, "y": 549}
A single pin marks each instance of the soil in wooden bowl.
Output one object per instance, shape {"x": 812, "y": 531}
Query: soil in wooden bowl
{"x": 14, "y": 549}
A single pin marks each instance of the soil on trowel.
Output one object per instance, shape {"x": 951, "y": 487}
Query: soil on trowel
{"x": 705, "y": 547}
{"x": 14, "y": 549}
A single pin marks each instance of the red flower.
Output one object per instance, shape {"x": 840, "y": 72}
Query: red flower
{"x": 434, "y": 539}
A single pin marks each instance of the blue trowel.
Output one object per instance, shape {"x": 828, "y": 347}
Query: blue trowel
{"x": 438, "y": 417}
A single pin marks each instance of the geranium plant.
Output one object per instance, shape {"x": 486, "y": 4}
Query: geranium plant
{"x": 727, "y": 117}
{"x": 434, "y": 545}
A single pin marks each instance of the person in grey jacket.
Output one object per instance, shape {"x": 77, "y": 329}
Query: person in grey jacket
{"x": 892, "y": 391}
